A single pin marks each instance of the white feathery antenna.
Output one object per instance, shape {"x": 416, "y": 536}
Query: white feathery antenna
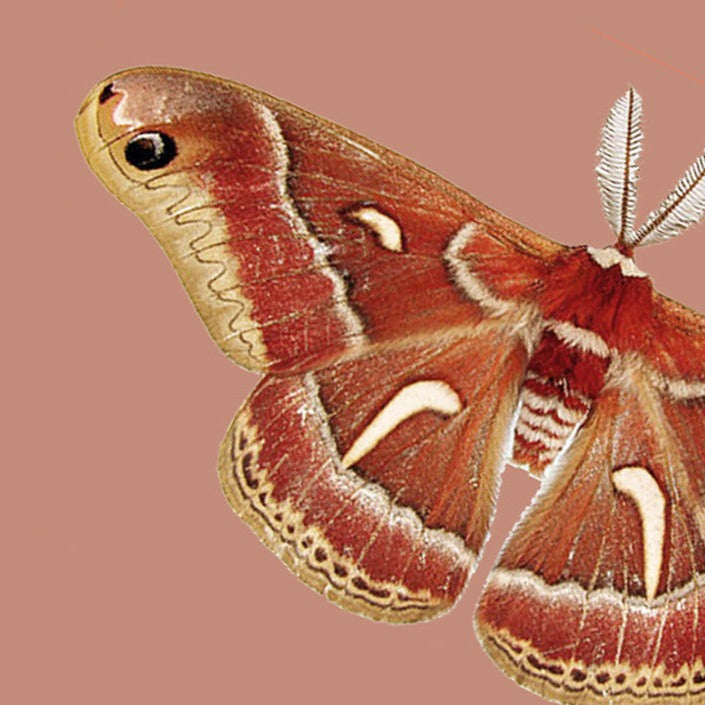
{"x": 617, "y": 170}
{"x": 617, "y": 173}
{"x": 684, "y": 206}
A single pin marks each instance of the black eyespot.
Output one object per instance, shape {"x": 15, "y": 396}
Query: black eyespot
{"x": 150, "y": 150}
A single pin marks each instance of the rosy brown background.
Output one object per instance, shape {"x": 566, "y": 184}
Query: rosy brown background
{"x": 126, "y": 577}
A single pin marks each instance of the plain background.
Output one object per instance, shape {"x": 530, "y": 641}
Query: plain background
{"x": 125, "y": 576}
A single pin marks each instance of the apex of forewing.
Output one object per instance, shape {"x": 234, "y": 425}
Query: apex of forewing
{"x": 617, "y": 173}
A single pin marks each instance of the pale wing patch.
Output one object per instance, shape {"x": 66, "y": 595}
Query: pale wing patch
{"x": 427, "y": 395}
{"x": 679, "y": 388}
{"x": 639, "y": 484}
{"x": 382, "y": 225}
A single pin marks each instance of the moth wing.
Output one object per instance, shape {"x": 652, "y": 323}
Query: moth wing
{"x": 676, "y": 349}
{"x": 298, "y": 241}
{"x": 374, "y": 479}
{"x": 598, "y": 592}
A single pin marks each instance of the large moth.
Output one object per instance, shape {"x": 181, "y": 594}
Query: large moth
{"x": 413, "y": 340}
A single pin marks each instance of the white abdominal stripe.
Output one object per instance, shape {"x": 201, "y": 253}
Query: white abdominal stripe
{"x": 426, "y": 395}
{"x": 546, "y": 419}
{"x": 544, "y": 404}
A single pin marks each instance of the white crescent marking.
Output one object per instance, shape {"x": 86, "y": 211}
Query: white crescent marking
{"x": 460, "y": 269}
{"x": 428, "y": 395}
{"x": 639, "y": 484}
{"x": 384, "y": 227}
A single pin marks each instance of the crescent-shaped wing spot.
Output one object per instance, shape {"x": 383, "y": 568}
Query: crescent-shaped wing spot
{"x": 427, "y": 395}
{"x": 382, "y": 225}
{"x": 639, "y": 484}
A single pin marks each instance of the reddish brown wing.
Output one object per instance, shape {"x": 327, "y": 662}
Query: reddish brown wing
{"x": 599, "y": 591}
{"x": 374, "y": 479}
{"x": 298, "y": 241}
{"x": 676, "y": 347}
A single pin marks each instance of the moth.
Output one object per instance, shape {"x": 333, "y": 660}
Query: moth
{"x": 413, "y": 341}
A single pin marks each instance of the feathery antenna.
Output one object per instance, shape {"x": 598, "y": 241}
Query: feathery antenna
{"x": 684, "y": 206}
{"x": 617, "y": 173}
{"x": 617, "y": 170}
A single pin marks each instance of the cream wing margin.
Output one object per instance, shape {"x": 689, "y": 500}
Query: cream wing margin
{"x": 193, "y": 233}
